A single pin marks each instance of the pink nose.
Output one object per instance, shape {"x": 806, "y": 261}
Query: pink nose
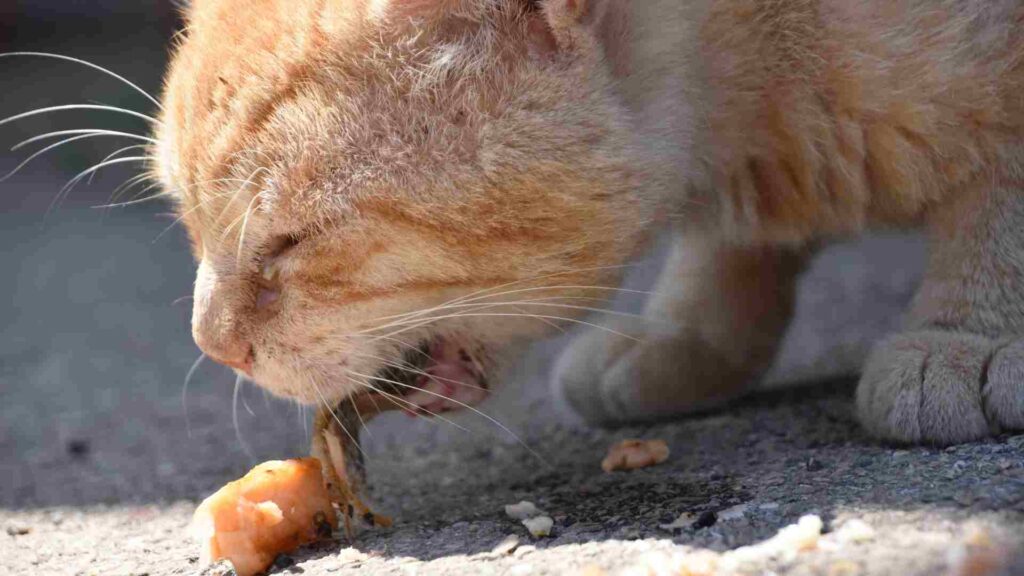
{"x": 233, "y": 352}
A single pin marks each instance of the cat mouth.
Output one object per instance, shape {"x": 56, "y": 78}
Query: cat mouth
{"x": 436, "y": 377}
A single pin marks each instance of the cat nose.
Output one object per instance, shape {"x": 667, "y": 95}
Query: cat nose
{"x": 216, "y": 325}
{"x": 235, "y": 353}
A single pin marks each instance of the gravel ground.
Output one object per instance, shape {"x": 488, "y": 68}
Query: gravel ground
{"x": 103, "y": 462}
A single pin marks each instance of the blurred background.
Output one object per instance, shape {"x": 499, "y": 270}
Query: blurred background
{"x": 95, "y": 302}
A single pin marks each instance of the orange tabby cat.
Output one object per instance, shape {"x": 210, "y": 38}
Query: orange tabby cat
{"x": 388, "y": 193}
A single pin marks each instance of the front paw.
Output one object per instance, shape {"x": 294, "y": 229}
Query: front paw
{"x": 942, "y": 387}
{"x": 633, "y": 375}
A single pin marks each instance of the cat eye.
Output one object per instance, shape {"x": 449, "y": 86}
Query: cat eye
{"x": 270, "y": 269}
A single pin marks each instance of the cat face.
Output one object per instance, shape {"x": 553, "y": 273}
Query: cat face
{"x": 389, "y": 191}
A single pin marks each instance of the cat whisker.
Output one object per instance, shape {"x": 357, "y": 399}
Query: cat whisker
{"x": 134, "y": 202}
{"x": 86, "y": 63}
{"x": 234, "y": 420}
{"x": 405, "y": 405}
{"x": 409, "y": 368}
{"x": 131, "y": 183}
{"x": 181, "y": 217}
{"x": 245, "y": 226}
{"x": 182, "y": 299}
{"x": 485, "y": 292}
{"x": 95, "y": 131}
{"x": 65, "y": 107}
{"x": 115, "y": 154}
{"x": 330, "y": 410}
{"x": 184, "y": 391}
{"x": 441, "y": 307}
{"x": 80, "y": 135}
{"x": 509, "y": 314}
{"x": 489, "y": 418}
{"x": 82, "y": 175}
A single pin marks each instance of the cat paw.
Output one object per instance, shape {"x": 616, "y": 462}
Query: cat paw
{"x": 942, "y": 387}
{"x": 613, "y": 379}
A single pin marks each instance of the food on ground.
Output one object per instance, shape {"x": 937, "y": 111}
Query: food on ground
{"x": 632, "y": 454}
{"x": 539, "y": 526}
{"x": 275, "y": 508}
{"x": 522, "y": 510}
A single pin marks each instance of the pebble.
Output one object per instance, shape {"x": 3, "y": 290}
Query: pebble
{"x": 15, "y": 530}
{"x": 78, "y": 448}
{"x": 684, "y": 520}
{"x": 506, "y": 546}
{"x": 705, "y": 520}
{"x": 522, "y": 511}
{"x": 222, "y": 568}
{"x": 523, "y": 551}
{"x": 854, "y": 531}
{"x": 814, "y": 465}
{"x": 734, "y": 513}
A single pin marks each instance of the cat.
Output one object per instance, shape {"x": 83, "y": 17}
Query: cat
{"x": 393, "y": 195}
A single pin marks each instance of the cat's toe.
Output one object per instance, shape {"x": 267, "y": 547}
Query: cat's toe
{"x": 613, "y": 379}
{"x": 1003, "y": 391}
{"x": 941, "y": 387}
{"x": 580, "y": 372}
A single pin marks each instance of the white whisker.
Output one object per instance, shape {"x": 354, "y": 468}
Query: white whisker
{"x": 99, "y": 107}
{"x": 113, "y": 155}
{"x": 234, "y": 420}
{"x": 461, "y": 404}
{"x": 327, "y": 407}
{"x": 97, "y": 67}
{"x": 74, "y": 181}
{"x": 413, "y": 408}
{"x": 184, "y": 392}
{"x": 95, "y": 131}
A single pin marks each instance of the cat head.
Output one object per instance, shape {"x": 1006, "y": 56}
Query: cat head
{"x": 371, "y": 182}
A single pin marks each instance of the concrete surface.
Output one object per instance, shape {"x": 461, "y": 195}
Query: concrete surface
{"x": 103, "y": 455}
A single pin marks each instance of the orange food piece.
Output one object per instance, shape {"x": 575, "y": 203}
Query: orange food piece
{"x": 631, "y": 454}
{"x": 275, "y": 508}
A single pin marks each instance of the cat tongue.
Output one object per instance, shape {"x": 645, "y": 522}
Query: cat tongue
{"x": 453, "y": 380}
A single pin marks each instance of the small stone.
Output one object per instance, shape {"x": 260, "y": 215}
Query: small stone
{"x": 15, "y": 530}
{"x": 685, "y": 519}
{"x": 814, "y": 465}
{"x": 506, "y": 546}
{"x": 854, "y": 531}
{"x": 540, "y": 526}
{"x": 351, "y": 556}
{"x": 522, "y": 511}
{"x": 78, "y": 448}
{"x": 735, "y": 513}
{"x": 523, "y": 551}
{"x": 282, "y": 562}
{"x": 705, "y": 520}
{"x": 221, "y": 568}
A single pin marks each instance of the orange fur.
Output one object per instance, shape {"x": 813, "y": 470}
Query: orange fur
{"x": 341, "y": 162}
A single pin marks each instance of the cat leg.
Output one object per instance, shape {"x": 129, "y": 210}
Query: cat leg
{"x": 957, "y": 373}
{"x": 711, "y": 329}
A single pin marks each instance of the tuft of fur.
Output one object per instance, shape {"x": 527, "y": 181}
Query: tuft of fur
{"x": 358, "y": 176}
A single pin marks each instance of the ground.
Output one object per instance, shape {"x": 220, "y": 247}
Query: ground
{"x": 104, "y": 454}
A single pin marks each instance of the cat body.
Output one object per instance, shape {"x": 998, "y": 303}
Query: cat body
{"x": 365, "y": 178}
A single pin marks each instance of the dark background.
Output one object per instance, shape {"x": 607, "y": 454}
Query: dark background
{"x": 129, "y": 37}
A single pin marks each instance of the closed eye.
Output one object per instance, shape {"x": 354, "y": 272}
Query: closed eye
{"x": 269, "y": 280}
